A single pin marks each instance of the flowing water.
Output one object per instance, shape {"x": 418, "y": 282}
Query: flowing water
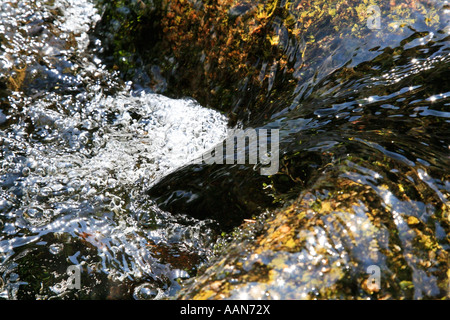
{"x": 77, "y": 148}
{"x": 80, "y": 148}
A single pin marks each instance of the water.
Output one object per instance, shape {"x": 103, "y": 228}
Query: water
{"x": 78, "y": 147}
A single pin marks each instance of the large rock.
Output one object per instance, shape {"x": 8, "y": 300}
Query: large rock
{"x": 248, "y": 59}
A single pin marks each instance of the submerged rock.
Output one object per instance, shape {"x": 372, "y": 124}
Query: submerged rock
{"x": 264, "y": 58}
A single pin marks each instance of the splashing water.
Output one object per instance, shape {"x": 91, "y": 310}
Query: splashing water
{"x": 77, "y": 148}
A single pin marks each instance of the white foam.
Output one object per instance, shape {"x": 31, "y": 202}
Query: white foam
{"x": 162, "y": 135}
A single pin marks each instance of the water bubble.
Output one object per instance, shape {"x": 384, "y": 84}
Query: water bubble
{"x": 83, "y": 139}
{"x": 58, "y": 288}
{"x": 41, "y": 172}
{"x": 5, "y": 166}
{"x": 88, "y": 124}
{"x": 33, "y": 213}
{"x": 147, "y": 291}
{"x": 75, "y": 145}
{"x": 51, "y": 170}
{"x": 33, "y": 189}
{"x": 45, "y": 192}
{"x": 56, "y": 248}
{"x": 115, "y": 202}
{"x": 26, "y": 171}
